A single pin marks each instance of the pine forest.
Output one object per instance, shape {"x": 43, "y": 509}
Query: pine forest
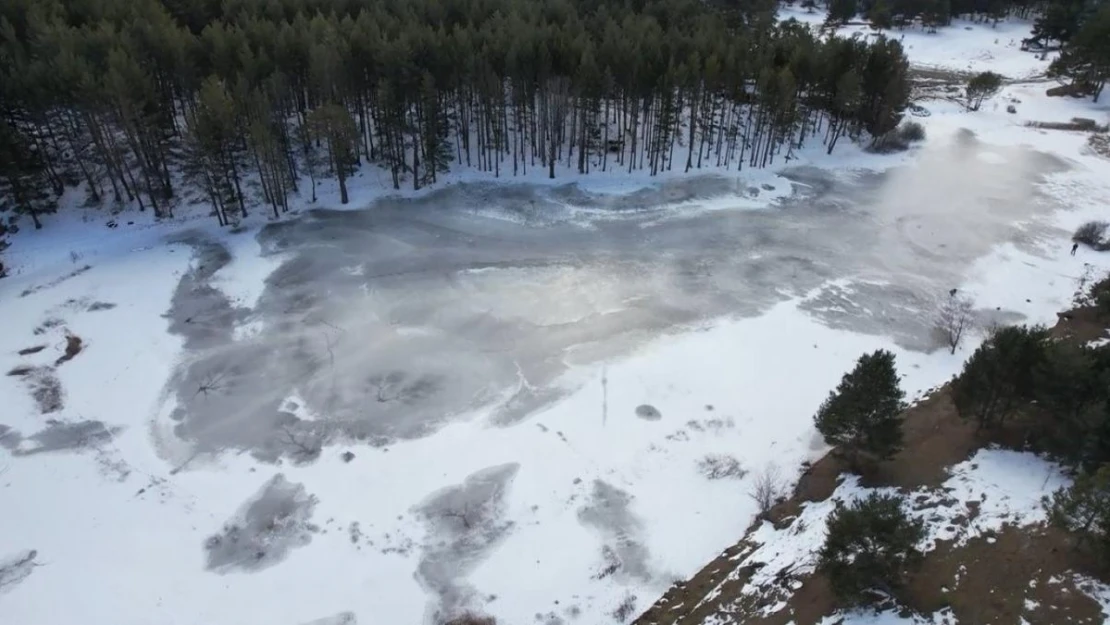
{"x": 250, "y": 102}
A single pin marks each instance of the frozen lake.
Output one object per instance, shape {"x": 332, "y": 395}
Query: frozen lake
{"x": 385, "y": 323}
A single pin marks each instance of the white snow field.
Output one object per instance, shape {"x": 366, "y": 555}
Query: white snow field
{"x": 553, "y": 413}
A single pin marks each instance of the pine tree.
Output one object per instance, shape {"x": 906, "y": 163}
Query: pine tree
{"x": 1085, "y": 59}
{"x": 869, "y": 548}
{"x": 862, "y": 417}
{"x": 332, "y": 124}
{"x": 980, "y": 87}
{"x": 1059, "y": 22}
{"x": 1000, "y": 376}
{"x": 880, "y": 15}
{"x": 841, "y": 12}
{"x": 1071, "y": 386}
{"x": 24, "y": 186}
{"x": 1083, "y": 510}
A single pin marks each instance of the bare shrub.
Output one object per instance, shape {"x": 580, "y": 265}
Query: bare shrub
{"x": 303, "y": 446}
{"x": 470, "y": 618}
{"x": 626, "y": 609}
{"x": 720, "y": 466}
{"x": 769, "y": 488}
{"x": 899, "y": 139}
{"x": 1092, "y": 234}
{"x": 912, "y": 132}
{"x": 954, "y": 320}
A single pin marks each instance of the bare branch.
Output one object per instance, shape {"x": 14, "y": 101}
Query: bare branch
{"x": 954, "y": 319}
{"x": 768, "y": 488}
{"x": 463, "y": 516}
{"x": 305, "y": 445}
{"x": 212, "y": 382}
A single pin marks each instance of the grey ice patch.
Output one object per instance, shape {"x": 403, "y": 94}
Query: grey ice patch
{"x": 608, "y": 513}
{"x": 721, "y": 467}
{"x": 44, "y": 386}
{"x": 402, "y": 387}
{"x": 465, "y": 524}
{"x": 264, "y": 530}
{"x": 648, "y": 412}
{"x": 198, "y": 311}
{"x": 899, "y": 310}
{"x": 343, "y": 618}
{"x": 16, "y": 568}
{"x": 58, "y": 436}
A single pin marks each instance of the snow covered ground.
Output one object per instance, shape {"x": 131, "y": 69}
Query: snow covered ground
{"x": 556, "y": 397}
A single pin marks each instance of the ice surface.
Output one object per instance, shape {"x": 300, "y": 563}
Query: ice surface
{"x": 452, "y": 311}
{"x": 265, "y": 530}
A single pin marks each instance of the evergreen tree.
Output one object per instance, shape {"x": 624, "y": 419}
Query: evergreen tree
{"x": 1085, "y": 59}
{"x": 980, "y": 87}
{"x": 1071, "y": 388}
{"x": 333, "y": 124}
{"x": 217, "y": 140}
{"x": 999, "y": 377}
{"x": 863, "y": 415}
{"x": 880, "y": 15}
{"x": 24, "y": 187}
{"x": 841, "y": 12}
{"x": 1059, "y": 22}
{"x": 869, "y": 548}
{"x": 1083, "y": 510}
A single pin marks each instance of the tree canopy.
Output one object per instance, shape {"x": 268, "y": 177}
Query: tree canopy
{"x": 869, "y": 548}
{"x": 128, "y": 99}
{"x": 863, "y": 415}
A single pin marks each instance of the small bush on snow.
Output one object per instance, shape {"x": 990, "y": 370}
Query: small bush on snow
{"x": 720, "y": 466}
{"x": 899, "y": 139}
{"x": 1092, "y": 233}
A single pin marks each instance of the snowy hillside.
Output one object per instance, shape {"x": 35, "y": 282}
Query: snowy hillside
{"x": 542, "y": 402}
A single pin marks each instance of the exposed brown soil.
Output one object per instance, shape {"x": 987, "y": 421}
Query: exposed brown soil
{"x": 997, "y": 574}
{"x": 990, "y": 579}
{"x": 935, "y": 439}
{"x": 679, "y": 605}
{"x": 27, "y": 351}
{"x": 74, "y": 345}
